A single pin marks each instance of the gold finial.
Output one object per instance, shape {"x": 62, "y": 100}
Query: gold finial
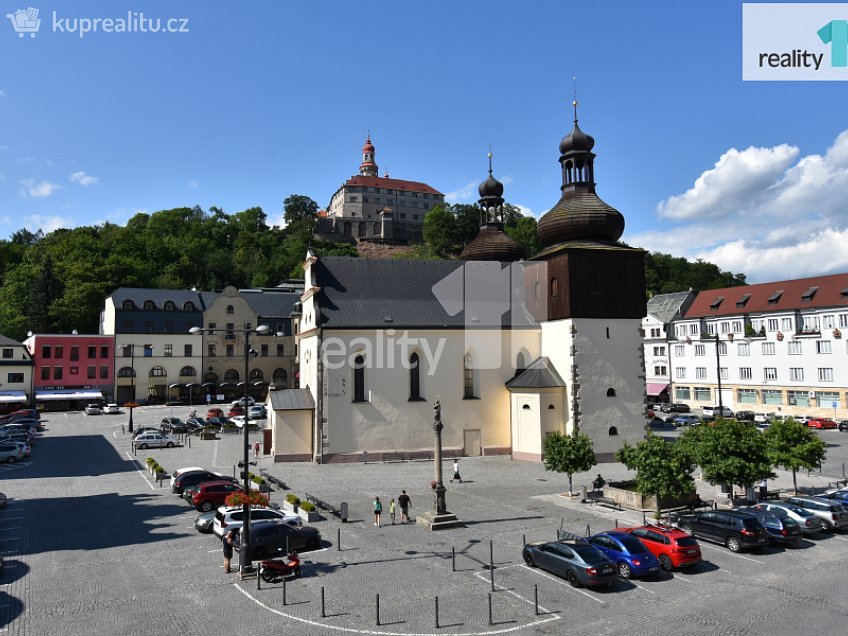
{"x": 490, "y": 158}
{"x": 574, "y": 103}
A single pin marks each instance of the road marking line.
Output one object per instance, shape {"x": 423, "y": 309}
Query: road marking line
{"x": 732, "y": 554}
{"x": 138, "y": 470}
{"x": 561, "y": 582}
{"x": 375, "y": 632}
{"x": 640, "y": 586}
{"x": 679, "y": 577}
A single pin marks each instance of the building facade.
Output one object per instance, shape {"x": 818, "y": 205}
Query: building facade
{"x": 72, "y": 370}
{"x": 16, "y": 375}
{"x": 368, "y": 206}
{"x": 663, "y": 309}
{"x": 773, "y": 347}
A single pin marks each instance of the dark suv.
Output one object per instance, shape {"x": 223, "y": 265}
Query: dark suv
{"x": 780, "y": 528}
{"x": 269, "y": 538}
{"x": 737, "y": 530}
{"x": 196, "y": 477}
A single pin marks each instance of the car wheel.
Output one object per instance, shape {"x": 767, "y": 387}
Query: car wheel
{"x": 312, "y": 543}
{"x": 169, "y": 445}
{"x": 12, "y": 459}
{"x": 267, "y": 574}
{"x": 206, "y": 506}
{"x": 142, "y": 446}
{"x": 572, "y": 579}
{"x": 687, "y": 529}
{"x": 624, "y": 570}
{"x": 733, "y": 544}
{"x": 665, "y": 563}
{"x": 528, "y": 558}
{"x": 825, "y": 526}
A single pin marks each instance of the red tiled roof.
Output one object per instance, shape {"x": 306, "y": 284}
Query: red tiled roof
{"x": 832, "y": 292}
{"x": 390, "y": 184}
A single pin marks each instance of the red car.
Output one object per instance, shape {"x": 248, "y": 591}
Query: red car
{"x": 821, "y": 422}
{"x": 211, "y": 494}
{"x": 214, "y": 412}
{"x": 674, "y": 548}
{"x": 235, "y": 411}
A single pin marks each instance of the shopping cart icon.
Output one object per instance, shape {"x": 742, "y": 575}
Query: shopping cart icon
{"x": 25, "y": 21}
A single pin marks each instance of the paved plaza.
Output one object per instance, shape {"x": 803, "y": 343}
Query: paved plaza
{"x": 93, "y": 546}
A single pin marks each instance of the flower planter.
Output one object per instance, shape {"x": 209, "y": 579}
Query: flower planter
{"x": 309, "y": 517}
{"x": 290, "y": 507}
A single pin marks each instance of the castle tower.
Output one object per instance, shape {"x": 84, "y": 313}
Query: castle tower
{"x": 368, "y": 167}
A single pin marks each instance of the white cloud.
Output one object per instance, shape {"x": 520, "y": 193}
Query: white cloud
{"x": 46, "y": 224}
{"x": 37, "y": 189}
{"x": 3, "y": 94}
{"x": 525, "y": 210}
{"x": 463, "y": 194}
{"x": 193, "y": 185}
{"x": 83, "y": 179}
{"x": 766, "y": 212}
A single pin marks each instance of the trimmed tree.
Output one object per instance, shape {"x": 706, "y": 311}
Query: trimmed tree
{"x": 793, "y": 446}
{"x": 569, "y": 454}
{"x": 729, "y": 452}
{"x": 663, "y": 469}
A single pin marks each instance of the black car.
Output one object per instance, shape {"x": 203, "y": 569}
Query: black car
{"x": 173, "y": 425}
{"x": 578, "y": 562}
{"x": 145, "y": 429}
{"x": 737, "y": 530}
{"x": 745, "y": 416}
{"x": 780, "y": 528}
{"x": 843, "y": 425}
{"x": 270, "y": 538}
{"x": 196, "y": 477}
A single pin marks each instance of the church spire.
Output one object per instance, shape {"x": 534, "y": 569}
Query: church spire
{"x": 368, "y": 167}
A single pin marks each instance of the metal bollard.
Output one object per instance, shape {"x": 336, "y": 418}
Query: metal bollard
{"x": 588, "y": 530}
{"x": 378, "y": 609}
{"x": 536, "y": 598}
{"x": 258, "y": 578}
{"x": 490, "y": 609}
{"x": 453, "y": 559}
{"x": 644, "y": 519}
{"x": 616, "y": 522}
{"x": 491, "y": 553}
{"x": 189, "y": 442}
{"x": 437, "y": 612}
{"x": 285, "y": 600}
{"x": 523, "y": 540}
{"x": 323, "y": 613}
{"x": 339, "y": 540}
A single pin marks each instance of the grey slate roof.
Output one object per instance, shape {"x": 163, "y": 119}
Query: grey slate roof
{"x": 667, "y": 307}
{"x": 8, "y": 342}
{"x": 358, "y": 293}
{"x": 541, "y": 374}
{"x": 267, "y": 303}
{"x": 159, "y": 296}
{"x": 292, "y": 400}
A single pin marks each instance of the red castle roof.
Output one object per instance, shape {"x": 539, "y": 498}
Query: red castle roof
{"x": 390, "y": 184}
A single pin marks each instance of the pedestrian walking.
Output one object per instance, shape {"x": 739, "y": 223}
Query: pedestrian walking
{"x": 763, "y": 489}
{"x": 229, "y": 542}
{"x": 405, "y": 504}
{"x": 256, "y": 450}
{"x": 456, "y": 471}
{"x": 378, "y": 512}
{"x": 392, "y": 508}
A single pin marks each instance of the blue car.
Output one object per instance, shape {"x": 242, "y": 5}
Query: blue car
{"x": 629, "y": 554}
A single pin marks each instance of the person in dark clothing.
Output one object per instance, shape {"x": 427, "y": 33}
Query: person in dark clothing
{"x": 229, "y": 542}
{"x": 405, "y": 503}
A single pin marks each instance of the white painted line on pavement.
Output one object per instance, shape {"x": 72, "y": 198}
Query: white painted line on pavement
{"x": 138, "y": 470}
{"x": 641, "y": 587}
{"x": 679, "y": 577}
{"x": 561, "y": 582}
{"x": 375, "y": 632}
{"x": 728, "y": 552}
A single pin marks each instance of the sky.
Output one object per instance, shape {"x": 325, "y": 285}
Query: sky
{"x": 245, "y": 104}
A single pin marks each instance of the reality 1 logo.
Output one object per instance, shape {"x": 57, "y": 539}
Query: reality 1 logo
{"x": 835, "y": 33}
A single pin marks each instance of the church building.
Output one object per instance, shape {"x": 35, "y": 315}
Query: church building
{"x": 513, "y": 349}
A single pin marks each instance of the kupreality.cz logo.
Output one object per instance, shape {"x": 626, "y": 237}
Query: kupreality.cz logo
{"x": 28, "y": 22}
{"x": 795, "y": 41}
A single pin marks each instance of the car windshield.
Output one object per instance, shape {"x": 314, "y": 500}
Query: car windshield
{"x": 801, "y": 512}
{"x": 837, "y": 508}
{"x": 687, "y": 542}
{"x": 633, "y": 545}
{"x": 752, "y": 523}
{"x": 589, "y": 554}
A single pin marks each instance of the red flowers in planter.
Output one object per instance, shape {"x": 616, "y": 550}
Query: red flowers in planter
{"x": 253, "y": 499}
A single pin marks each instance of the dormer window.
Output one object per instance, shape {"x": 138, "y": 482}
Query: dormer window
{"x": 716, "y": 303}
{"x": 149, "y": 305}
{"x": 807, "y": 296}
{"x": 743, "y": 301}
{"x": 844, "y": 293}
{"x": 775, "y": 297}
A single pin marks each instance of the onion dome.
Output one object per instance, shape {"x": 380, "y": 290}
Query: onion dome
{"x": 492, "y": 244}
{"x": 490, "y": 188}
{"x": 576, "y": 140}
{"x": 297, "y": 309}
{"x": 368, "y": 146}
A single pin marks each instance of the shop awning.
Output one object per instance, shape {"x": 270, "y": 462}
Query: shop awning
{"x": 45, "y": 396}
{"x": 655, "y": 388}
{"x": 7, "y": 397}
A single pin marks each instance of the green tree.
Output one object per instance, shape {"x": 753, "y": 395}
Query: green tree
{"x": 523, "y": 232}
{"x": 663, "y": 469}
{"x": 440, "y": 231}
{"x": 300, "y": 210}
{"x": 568, "y": 454}
{"x": 792, "y": 446}
{"x": 728, "y": 452}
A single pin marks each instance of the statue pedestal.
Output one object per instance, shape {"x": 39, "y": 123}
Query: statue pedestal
{"x": 435, "y": 521}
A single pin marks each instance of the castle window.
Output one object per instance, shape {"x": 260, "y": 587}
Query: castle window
{"x": 554, "y": 287}
{"x": 613, "y": 431}
{"x": 170, "y": 306}
{"x": 359, "y": 379}
{"x": 149, "y": 305}
{"x": 414, "y": 378}
{"x": 468, "y": 392}
{"x": 610, "y": 392}
{"x": 230, "y": 309}
{"x": 526, "y": 407}
{"x": 128, "y": 305}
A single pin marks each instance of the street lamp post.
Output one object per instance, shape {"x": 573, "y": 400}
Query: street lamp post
{"x": 132, "y": 384}
{"x": 244, "y": 548}
{"x": 718, "y": 378}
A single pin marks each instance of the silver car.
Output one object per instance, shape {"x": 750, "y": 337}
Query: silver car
{"x": 831, "y": 514}
{"x": 10, "y": 452}
{"x": 808, "y": 522}
{"x": 154, "y": 440}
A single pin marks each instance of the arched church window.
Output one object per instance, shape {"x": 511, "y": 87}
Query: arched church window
{"x": 359, "y": 378}
{"x": 414, "y": 377}
{"x": 468, "y": 391}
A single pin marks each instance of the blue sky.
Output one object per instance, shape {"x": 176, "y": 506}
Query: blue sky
{"x": 260, "y": 100}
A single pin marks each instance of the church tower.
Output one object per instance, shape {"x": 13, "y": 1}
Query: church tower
{"x": 368, "y": 167}
{"x": 595, "y": 291}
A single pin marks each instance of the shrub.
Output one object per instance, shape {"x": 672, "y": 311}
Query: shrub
{"x": 293, "y": 499}
{"x": 150, "y": 461}
{"x": 308, "y": 506}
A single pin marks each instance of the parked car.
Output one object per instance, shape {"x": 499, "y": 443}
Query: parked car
{"x": 686, "y": 420}
{"x": 227, "y": 519}
{"x": 760, "y": 418}
{"x": 154, "y": 440}
{"x": 10, "y": 452}
{"x": 3, "y": 500}
{"x": 257, "y": 412}
{"x": 675, "y": 408}
{"x": 831, "y": 515}
{"x": 629, "y": 554}
{"x": 241, "y": 401}
{"x": 806, "y": 520}
{"x": 672, "y": 547}
{"x": 747, "y": 416}
{"x": 803, "y": 419}
{"x": 840, "y": 496}
{"x": 173, "y": 425}
{"x": 211, "y": 494}
{"x": 269, "y": 538}
{"x": 93, "y": 409}
{"x": 235, "y": 411}
{"x": 843, "y": 425}
{"x": 195, "y": 477}
{"x": 715, "y": 411}
{"x": 186, "y": 469}
{"x": 16, "y": 436}
{"x": 214, "y": 412}
{"x": 780, "y": 528}
{"x": 821, "y": 423}
{"x": 578, "y": 562}
{"x": 204, "y": 521}
{"x": 24, "y": 446}
{"x": 112, "y": 409}
{"x": 737, "y": 530}
{"x": 143, "y": 430}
